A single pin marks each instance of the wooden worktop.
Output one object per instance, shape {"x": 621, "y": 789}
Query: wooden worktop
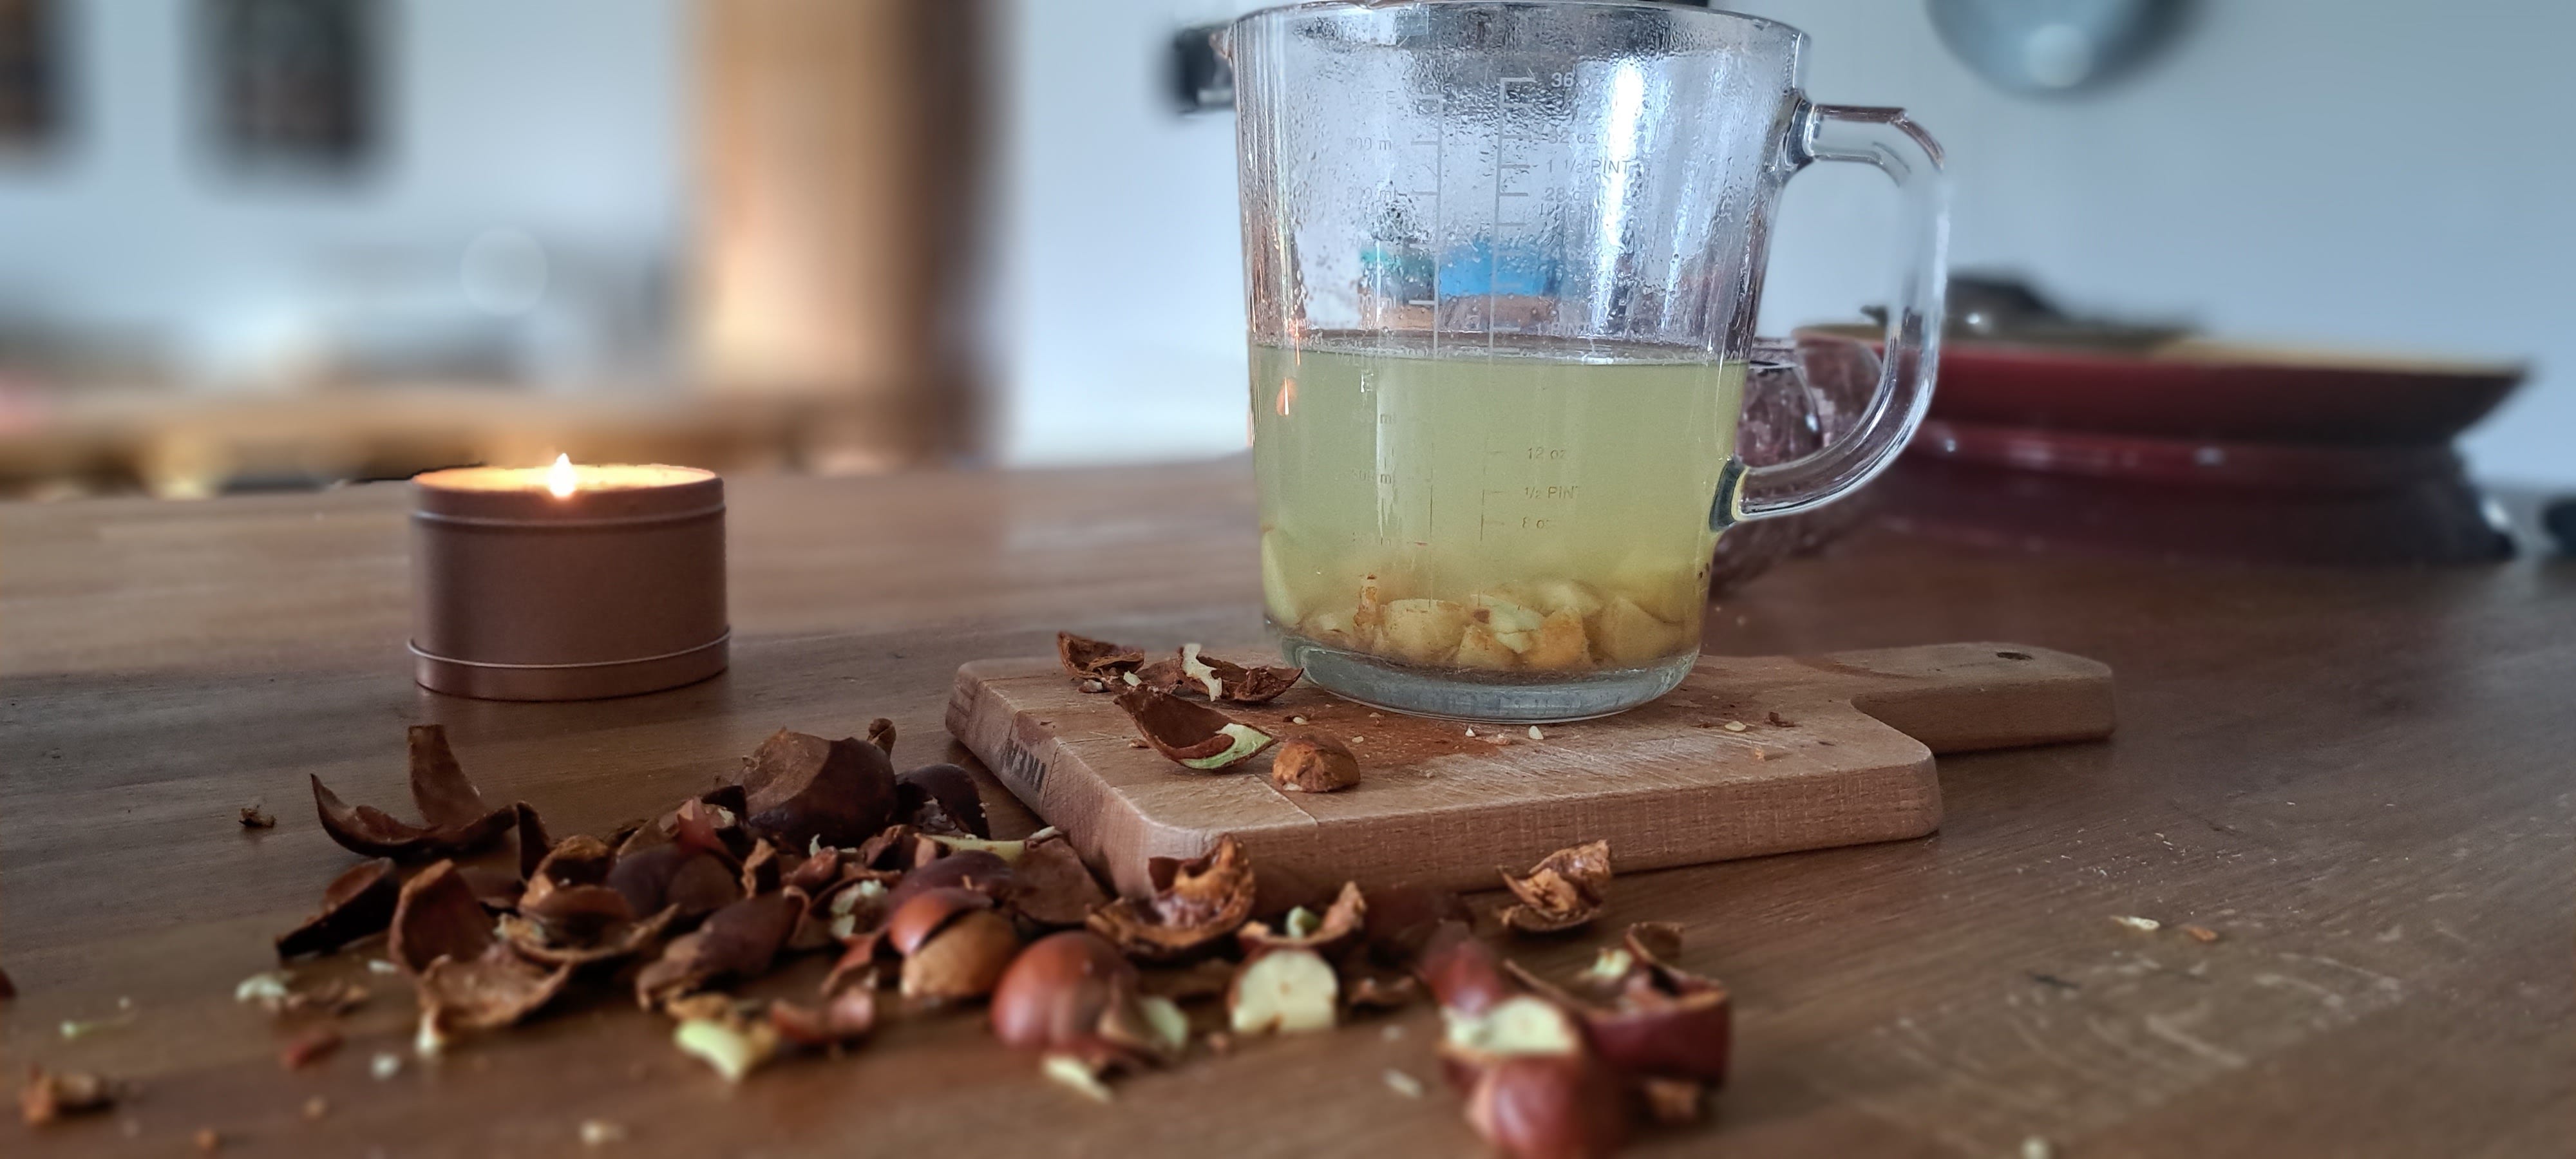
{"x": 2360, "y": 779}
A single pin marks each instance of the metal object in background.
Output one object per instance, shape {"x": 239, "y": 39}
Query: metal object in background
{"x": 1202, "y": 80}
{"x": 2055, "y": 46}
{"x": 2004, "y": 308}
{"x": 2558, "y": 518}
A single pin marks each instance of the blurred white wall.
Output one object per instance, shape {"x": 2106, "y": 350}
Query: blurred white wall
{"x": 1119, "y": 280}
{"x": 2386, "y": 173}
{"x": 559, "y": 121}
{"x": 2381, "y": 172}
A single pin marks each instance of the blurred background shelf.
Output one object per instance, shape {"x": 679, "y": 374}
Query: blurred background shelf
{"x": 112, "y": 441}
{"x": 349, "y": 239}
{"x": 245, "y": 242}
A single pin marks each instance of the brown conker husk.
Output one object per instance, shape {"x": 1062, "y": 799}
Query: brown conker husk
{"x": 1189, "y": 732}
{"x": 437, "y": 916}
{"x": 1088, "y": 659}
{"x": 1335, "y": 929}
{"x": 1195, "y": 902}
{"x": 1564, "y": 891}
{"x": 455, "y": 821}
{"x": 941, "y": 799}
{"x": 1664, "y": 1020}
{"x": 1243, "y": 685}
{"x": 357, "y": 903}
{"x": 533, "y": 842}
{"x": 738, "y": 941}
{"x": 576, "y": 914}
{"x": 692, "y": 881}
{"x": 1050, "y": 886}
{"x": 487, "y": 992}
{"x": 699, "y": 824}
{"x": 798, "y": 789}
{"x": 576, "y": 860}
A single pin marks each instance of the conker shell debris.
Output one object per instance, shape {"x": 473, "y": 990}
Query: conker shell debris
{"x": 821, "y": 844}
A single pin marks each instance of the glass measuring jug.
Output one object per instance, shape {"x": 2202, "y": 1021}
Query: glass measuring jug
{"x": 1502, "y": 262}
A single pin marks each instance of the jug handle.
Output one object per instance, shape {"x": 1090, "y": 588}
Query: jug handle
{"x": 1890, "y": 141}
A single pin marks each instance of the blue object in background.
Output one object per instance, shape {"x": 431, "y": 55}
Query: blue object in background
{"x": 1473, "y": 270}
{"x": 1466, "y": 271}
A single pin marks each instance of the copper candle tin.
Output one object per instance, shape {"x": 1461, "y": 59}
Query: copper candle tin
{"x": 609, "y": 583}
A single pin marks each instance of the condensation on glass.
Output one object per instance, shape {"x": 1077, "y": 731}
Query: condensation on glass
{"x": 1503, "y": 262}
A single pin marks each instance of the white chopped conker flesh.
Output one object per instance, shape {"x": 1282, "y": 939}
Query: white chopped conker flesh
{"x": 1284, "y": 991}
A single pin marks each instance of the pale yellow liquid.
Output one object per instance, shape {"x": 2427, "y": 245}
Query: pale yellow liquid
{"x": 1537, "y": 509}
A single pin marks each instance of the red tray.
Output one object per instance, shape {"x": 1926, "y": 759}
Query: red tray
{"x": 2195, "y": 389}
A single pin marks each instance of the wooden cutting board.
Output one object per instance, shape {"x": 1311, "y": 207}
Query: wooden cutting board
{"x": 1833, "y": 750}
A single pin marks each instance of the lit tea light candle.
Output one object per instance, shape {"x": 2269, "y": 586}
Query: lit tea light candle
{"x": 567, "y": 582}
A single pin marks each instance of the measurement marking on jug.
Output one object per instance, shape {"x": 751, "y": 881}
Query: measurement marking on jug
{"x": 1494, "y": 224}
{"x": 1439, "y": 183}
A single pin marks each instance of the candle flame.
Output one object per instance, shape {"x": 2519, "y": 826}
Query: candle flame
{"x": 560, "y": 478}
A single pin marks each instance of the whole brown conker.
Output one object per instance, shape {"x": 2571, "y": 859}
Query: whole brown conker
{"x": 1541, "y": 1106}
{"x": 1308, "y": 764}
{"x": 1053, "y": 994}
{"x": 910, "y": 923}
{"x": 974, "y": 869}
{"x": 1463, "y": 973}
{"x": 964, "y": 959}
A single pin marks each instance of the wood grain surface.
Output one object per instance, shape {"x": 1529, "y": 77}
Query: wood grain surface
{"x": 1752, "y": 755}
{"x": 2358, "y": 779}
